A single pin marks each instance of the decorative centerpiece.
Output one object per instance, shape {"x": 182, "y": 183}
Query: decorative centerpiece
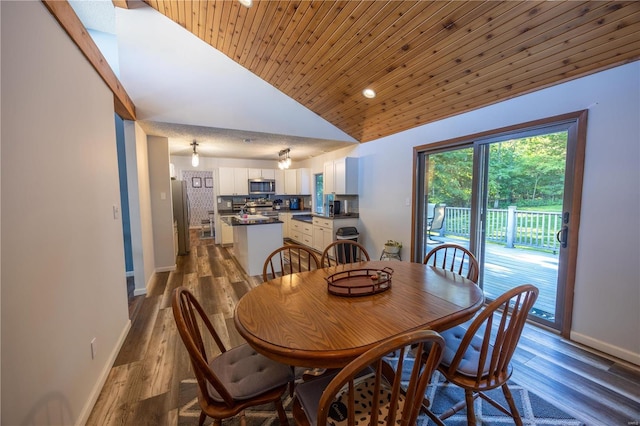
{"x": 392, "y": 247}
{"x": 359, "y": 282}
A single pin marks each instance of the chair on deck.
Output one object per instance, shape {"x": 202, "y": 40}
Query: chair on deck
{"x": 479, "y": 358}
{"x": 233, "y": 380}
{"x": 345, "y": 398}
{"x": 436, "y": 223}
{"x": 454, "y": 258}
{"x": 341, "y": 252}
{"x": 289, "y": 259}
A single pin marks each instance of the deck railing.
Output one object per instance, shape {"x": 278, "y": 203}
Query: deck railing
{"x": 509, "y": 226}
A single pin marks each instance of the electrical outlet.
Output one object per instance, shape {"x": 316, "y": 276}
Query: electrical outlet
{"x": 94, "y": 348}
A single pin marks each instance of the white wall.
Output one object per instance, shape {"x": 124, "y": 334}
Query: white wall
{"x": 607, "y": 290}
{"x": 63, "y": 271}
{"x": 138, "y": 188}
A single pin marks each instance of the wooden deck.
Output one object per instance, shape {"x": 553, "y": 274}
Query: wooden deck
{"x": 505, "y": 268}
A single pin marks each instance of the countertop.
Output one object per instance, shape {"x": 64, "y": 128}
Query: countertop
{"x": 235, "y": 221}
{"x": 282, "y": 210}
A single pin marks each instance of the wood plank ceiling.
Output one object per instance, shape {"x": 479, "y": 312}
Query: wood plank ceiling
{"x": 426, "y": 60}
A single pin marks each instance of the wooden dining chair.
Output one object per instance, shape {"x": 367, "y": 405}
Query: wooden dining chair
{"x": 479, "y": 358}
{"x": 233, "y": 380}
{"x": 344, "y": 398}
{"x": 341, "y": 252}
{"x": 454, "y": 258}
{"x": 289, "y": 259}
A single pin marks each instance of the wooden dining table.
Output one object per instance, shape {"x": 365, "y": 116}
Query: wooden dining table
{"x": 294, "y": 319}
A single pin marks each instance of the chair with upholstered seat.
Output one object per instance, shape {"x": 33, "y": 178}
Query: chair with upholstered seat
{"x": 478, "y": 359}
{"x": 454, "y": 258}
{"x": 289, "y": 259}
{"x": 345, "y": 398}
{"x": 233, "y": 380}
{"x": 341, "y": 252}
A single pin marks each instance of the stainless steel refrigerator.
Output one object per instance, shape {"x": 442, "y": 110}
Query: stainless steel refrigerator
{"x": 181, "y": 214}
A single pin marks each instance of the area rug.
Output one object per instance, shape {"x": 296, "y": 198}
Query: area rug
{"x": 533, "y": 409}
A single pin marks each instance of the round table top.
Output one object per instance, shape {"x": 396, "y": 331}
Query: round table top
{"x": 295, "y": 320}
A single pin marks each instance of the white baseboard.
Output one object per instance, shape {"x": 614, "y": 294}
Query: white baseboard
{"x": 607, "y": 348}
{"x": 95, "y": 392}
{"x": 166, "y": 269}
{"x": 139, "y": 291}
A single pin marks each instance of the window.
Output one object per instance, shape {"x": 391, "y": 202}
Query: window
{"x": 319, "y": 193}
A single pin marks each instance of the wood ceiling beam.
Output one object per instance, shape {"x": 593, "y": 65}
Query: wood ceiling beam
{"x": 124, "y": 4}
{"x": 67, "y": 18}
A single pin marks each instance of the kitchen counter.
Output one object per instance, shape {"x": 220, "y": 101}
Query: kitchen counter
{"x": 339, "y": 216}
{"x": 303, "y": 218}
{"x": 254, "y": 239}
{"x": 251, "y": 220}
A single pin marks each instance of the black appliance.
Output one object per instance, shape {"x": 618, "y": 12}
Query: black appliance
{"x": 336, "y": 207}
{"x": 294, "y": 203}
{"x": 262, "y": 186}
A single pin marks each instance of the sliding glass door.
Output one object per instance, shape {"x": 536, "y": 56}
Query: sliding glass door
{"x": 512, "y": 198}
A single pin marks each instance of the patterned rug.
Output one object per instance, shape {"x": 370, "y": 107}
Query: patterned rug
{"x": 533, "y": 409}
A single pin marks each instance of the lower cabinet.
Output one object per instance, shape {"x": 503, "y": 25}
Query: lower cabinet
{"x": 285, "y": 218}
{"x": 227, "y": 232}
{"x": 322, "y": 233}
{"x": 324, "y": 230}
{"x": 301, "y": 232}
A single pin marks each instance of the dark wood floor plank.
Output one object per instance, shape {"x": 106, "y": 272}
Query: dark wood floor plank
{"x": 143, "y": 385}
{"x": 135, "y": 345}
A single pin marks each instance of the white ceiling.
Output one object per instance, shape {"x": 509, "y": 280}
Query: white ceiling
{"x": 186, "y": 90}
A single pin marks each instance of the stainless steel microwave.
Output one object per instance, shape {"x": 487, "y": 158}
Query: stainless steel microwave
{"x": 262, "y": 186}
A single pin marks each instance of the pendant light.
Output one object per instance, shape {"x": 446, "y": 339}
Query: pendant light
{"x": 195, "y": 158}
{"x": 284, "y": 161}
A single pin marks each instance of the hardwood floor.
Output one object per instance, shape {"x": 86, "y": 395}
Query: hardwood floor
{"x": 142, "y": 387}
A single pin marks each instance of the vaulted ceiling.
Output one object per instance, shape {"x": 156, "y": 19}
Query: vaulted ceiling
{"x": 426, "y": 60}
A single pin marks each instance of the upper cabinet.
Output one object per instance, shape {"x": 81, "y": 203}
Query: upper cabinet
{"x": 296, "y": 182}
{"x": 262, "y": 174}
{"x": 279, "y": 176}
{"x": 233, "y": 181}
{"x": 341, "y": 176}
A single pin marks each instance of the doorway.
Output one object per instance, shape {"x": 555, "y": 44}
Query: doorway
{"x": 512, "y": 197}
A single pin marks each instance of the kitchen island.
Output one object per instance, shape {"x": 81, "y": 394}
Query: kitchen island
{"x": 254, "y": 238}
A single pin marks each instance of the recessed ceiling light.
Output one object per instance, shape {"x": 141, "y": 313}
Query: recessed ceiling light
{"x": 369, "y": 93}
{"x": 246, "y": 3}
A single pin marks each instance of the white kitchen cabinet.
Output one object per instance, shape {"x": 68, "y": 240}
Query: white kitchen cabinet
{"x": 303, "y": 181}
{"x": 290, "y": 182}
{"x": 261, "y": 174}
{"x": 227, "y": 232}
{"x": 241, "y": 181}
{"x": 297, "y": 181}
{"x": 285, "y": 218}
{"x": 322, "y": 233}
{"x": 328, "y": 178}
{"x": 233, "y": 181}
{"x": 341, "y": 176}
{"x": 324, "y": 230}
{"x": 279, "y": 177}
{"x": 301, "y": 232}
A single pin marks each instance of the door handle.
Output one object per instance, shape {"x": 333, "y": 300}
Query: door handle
{"x": 561, "y": 236}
